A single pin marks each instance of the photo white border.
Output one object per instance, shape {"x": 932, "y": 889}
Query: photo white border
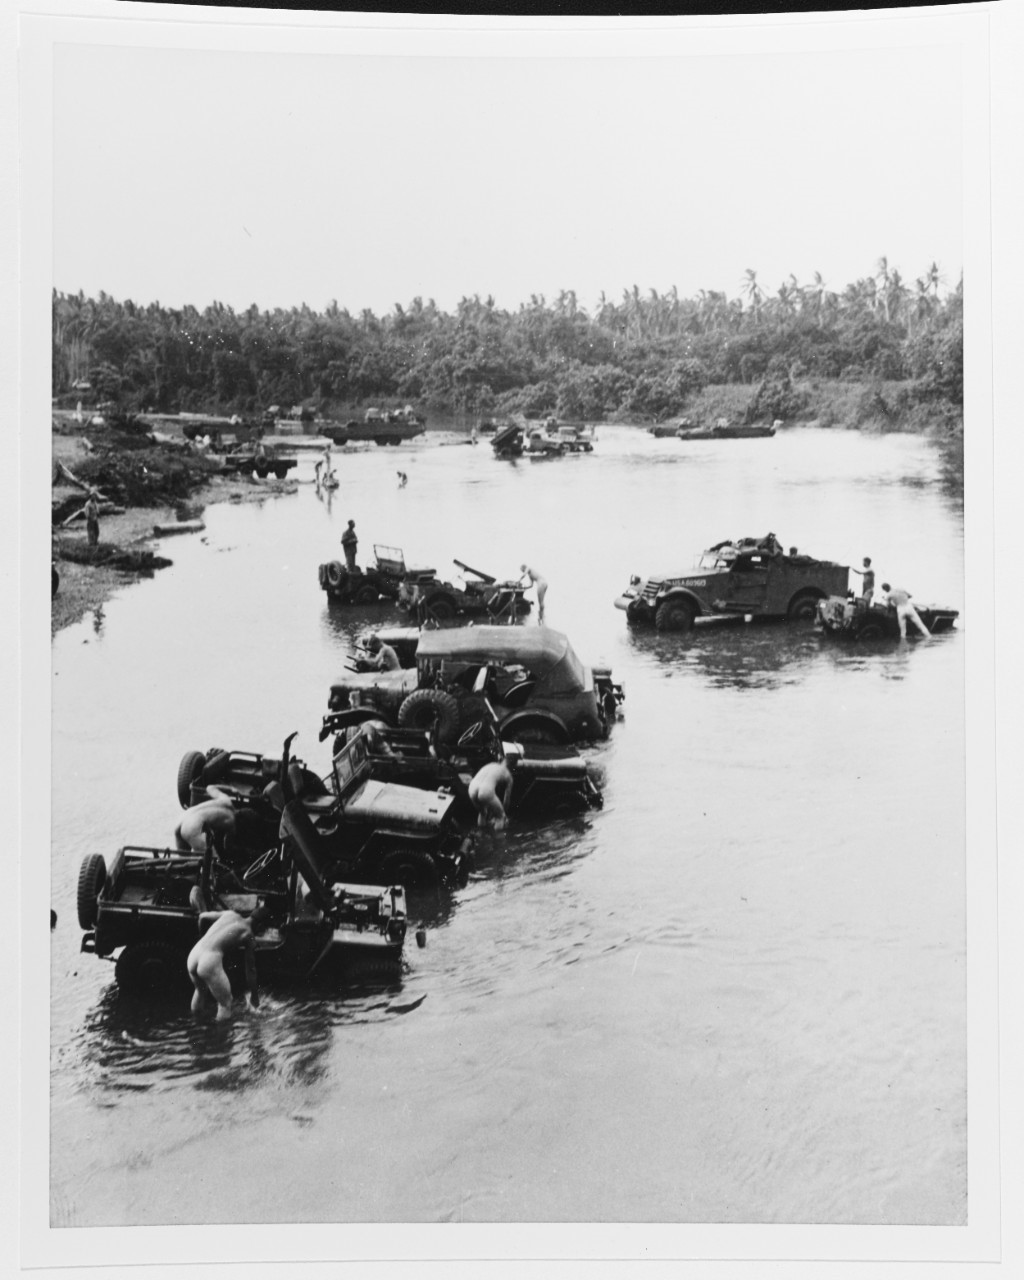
{"x": 986, "y": 35}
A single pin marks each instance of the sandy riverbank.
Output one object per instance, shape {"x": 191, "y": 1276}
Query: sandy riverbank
{"x": 86, "y": 586}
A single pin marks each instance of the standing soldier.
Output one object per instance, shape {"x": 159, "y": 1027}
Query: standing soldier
{"x": 349, "y": 543}
{"x": 92, "y": 519}
{"x": 868, "y": 574}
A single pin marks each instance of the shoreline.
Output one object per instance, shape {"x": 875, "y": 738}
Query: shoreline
{"x": 84, "y": 588}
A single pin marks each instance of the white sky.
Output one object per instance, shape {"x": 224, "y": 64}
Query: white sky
{"x": 279, "y": 177}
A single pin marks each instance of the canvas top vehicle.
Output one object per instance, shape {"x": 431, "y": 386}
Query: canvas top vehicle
{"x": 531, "y": 676}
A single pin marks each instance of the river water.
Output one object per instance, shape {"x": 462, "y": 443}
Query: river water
{"x": 735, "y": 994}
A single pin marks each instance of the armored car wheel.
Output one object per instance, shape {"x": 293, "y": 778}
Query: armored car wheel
{"x": 150, "y": 968}
{"x": 91, "y": 879}
{"x": 803, "y": 608}
{"x": 192, "y": 765}
{"x": 281, "y": 472}
{"x": 427, "y": 708}
{"x": 674, "y": 615}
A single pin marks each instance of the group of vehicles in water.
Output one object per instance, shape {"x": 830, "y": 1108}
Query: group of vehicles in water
{"x": 330, "y": 859}
{"x": 421, "y": 592}
{"x": 552, "y": 439}
{"x": 755, "y": 578}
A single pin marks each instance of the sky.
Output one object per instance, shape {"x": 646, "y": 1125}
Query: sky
{"x": 313, "y": 170}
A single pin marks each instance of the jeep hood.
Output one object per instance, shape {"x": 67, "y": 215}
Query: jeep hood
{"x": 390, "y": 803}
{"x": 400, "y": 681}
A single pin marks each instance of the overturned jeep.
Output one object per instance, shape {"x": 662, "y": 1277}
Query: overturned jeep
{"x": 747, "y": 577}
{"x": 371, "y": 830}
{"x": 478, "y": 594}
{"x": 381, "y": 580}
{"x": 149, "y": 905}
{"x": 538, "y": 688}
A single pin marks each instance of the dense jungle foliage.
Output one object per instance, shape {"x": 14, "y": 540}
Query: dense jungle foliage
{"x": 643, "y": 358}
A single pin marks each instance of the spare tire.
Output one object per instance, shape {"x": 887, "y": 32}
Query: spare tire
{"x": 335, "y": 573}
{"x": 431, "y": 708}
{"x": 192, "y": 764}
{"x": 91, "y": 879}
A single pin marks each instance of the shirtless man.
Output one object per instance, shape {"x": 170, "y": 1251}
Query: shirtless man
{"x": 541, "y": 583}
{"x": 229, "y": 932}
{"x": 490, "y": 792}
{"x": 899, "y": 599}
{"x": 382, "y": 656}
{"x": 216, "y": 816}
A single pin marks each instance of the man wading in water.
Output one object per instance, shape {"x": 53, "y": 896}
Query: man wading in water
{"x": 229, "y": 932}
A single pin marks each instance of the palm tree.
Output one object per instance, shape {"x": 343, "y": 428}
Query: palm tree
{"x": 753, "y": 291}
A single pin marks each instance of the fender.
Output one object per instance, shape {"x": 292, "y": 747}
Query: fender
{"x": 338, "y": 720}
{"x": 535, "y": 714}
{"x": 681, "y": 593}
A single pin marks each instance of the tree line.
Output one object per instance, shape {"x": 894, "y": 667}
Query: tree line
{"x": 639, "y": 358}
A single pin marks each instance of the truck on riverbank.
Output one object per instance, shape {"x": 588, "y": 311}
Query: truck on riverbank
{"x": 749, "y": 577}
{"x": 383, "y": 426}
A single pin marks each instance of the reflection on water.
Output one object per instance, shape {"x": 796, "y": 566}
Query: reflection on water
{"x": 132, "y": 1045}
{"x": 742, "y": 978}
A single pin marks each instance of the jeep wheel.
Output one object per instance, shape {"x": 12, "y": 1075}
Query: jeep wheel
{"x": 871, "y": 631}
{"x": 803, "y": 608}
{"x": 440, "y": 608}
{"x": 91, "y": 879}
{"x": 150, "y": 968}
{"x": 431, "y": 709}
{"x": 281, "y": 472}
{"x": 192, "y": 765}
{"x": 365, "y": 595}
{"x": 411, "y": 868}
{"x": 674, "y": 615}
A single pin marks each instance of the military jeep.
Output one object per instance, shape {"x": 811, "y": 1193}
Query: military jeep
{"x": 367, "y": 829}
{"x": 477, "y": 595}
{"x": 149, "y": 905}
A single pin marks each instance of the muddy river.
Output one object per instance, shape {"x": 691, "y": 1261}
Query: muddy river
{"x": 735, "y": 994}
